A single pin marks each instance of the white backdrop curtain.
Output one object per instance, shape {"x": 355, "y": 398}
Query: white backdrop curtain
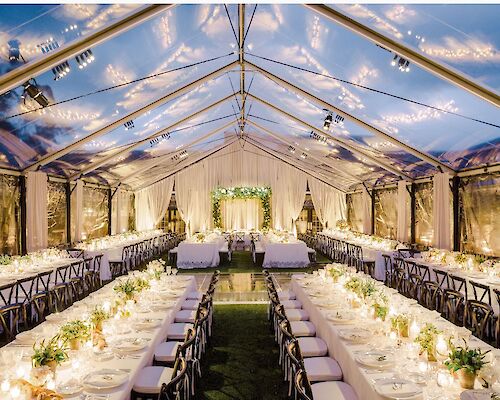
{"x": 77, "y": 211}
{"x": 120, "y": 211}
{"x": 36, "y": 211}
{"x": 152, "y": 203}
{"x": 402, "y": 212}
{"x": 367, "y": 213}
{"x": 329, "y": 203}
{"x": 241, "y": 214}
{"x": 441, "y": 211}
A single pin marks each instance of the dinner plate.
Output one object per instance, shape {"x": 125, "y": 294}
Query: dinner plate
{"x": 103, "y": 355}
{"x": 355, "y": 335}
{"x": 27, "y": 337}
{"x": 129, "y": 345}
{"x": 476, "y": 394}
{"x": 395, "y": 388}
{"x": 376, "y": 359}
{"x": 147, "y": 324}
{"x": 342, "y": 317}
{"x": 69, "y": 388}
{"x": 105, "y": 379}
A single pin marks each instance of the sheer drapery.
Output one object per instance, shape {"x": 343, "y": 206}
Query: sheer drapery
{"x": 121, "y": 209}
{"x": 77, "y": 211}
{"x": 329, "y": 203}
{"x": 241, "y": 214}
{"x": 151, "y": 203}
{"x": 36, "y": 211}
{"x": 402, "y": 229}
{"x": 441, "y": 211}
{"x": 367, "y": 212}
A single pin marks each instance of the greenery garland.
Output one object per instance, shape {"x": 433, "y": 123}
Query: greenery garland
{"x": 263, "y": 193}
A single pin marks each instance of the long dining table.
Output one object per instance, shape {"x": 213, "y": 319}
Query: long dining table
{"x": 160, "y": 304}
{"x": 323, "y": 301}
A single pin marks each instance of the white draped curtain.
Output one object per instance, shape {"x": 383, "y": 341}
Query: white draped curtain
{"x": 241, "y": 214}
{"x": 441, "y": 211}
{"x": 36, "y": 211}
{"x": 77, "y": 211}
{"x": 367, "y": 213}
{"x": 402, "y": 212}
{"x": 329, "y": 203}
{"x": 151, "y": 203}
{"x": 120, "y": 211}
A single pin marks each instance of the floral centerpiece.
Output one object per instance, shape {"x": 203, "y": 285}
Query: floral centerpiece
{"x": 380, "y": 305}
{"x": 342, "y": 225}
{"x": 336, "y": 271}
{"x": 427, "y": 339}
{"x": 50, "y": 354}
{"x": 155, "y": 268}
{"x": 75, "y": 332}
{"x": 141, "y": 284}
{"x": 5, "y": 260}
{"x": 127, "y": 289}
{"x": 401, "y": 324}
{"x": 97, "y": 317}
{"x": 466, "y": 363}
{"x": 199, "y": 237}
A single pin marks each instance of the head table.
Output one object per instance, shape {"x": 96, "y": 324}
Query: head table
{"x": 131, "y": 339}
{"x": 353, "y": 335}
{"x": 200, "y": 251}
{"x": 283, "y": 250}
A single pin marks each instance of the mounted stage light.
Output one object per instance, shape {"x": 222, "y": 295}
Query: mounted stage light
{"x": 303, "y": 156}
{"x": 159, "y": 139}
{"x": 129, "y": 125}
{"x": 49, "y": 45}
{"x": 61, "y": 70}
{"x": 339, "y": 119}
{"x": 84, "y": 59}
{"x": 291, "y": 149}
{"x": 328, "y": 121}
{"x": 31, "y": 89}
{"x": 14, "y": 51}
{"x": 402, "y": 63}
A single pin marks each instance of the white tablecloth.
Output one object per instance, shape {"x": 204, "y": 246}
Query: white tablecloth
{"x": 285, "y": 255}
{"x": 145, "y": 357}
{"x": 198, "y": 255}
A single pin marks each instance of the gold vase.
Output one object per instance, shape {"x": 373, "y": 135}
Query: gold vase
{"x": 431, "y": 354}
{"x": 52, "y": 365}
{"x": 466, "y": 378}
{"x": 74, "y": 344}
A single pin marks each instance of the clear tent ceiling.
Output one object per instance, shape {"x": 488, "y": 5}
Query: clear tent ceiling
{"x": 185, "y": 43}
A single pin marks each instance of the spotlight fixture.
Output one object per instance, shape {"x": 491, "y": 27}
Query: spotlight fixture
{"x": 180, "y": 156}
{"x": 159, "y": 139}
{"x": 61, "y": 70}
{"x": 84, "y": 59}
{"x": 402, "y": 63}
{"x": 47, "y": 46}
{"x": 31, "y": 89}
{"x": 291, "y": 149}
{"x": 318, "y": 137}
{"x": 14, "y": 52}
{"x": 339, "y": 119}
{"x": 303, "y": 156}
{"x": 328, "y": 121}
{"x": 129, "y": 125}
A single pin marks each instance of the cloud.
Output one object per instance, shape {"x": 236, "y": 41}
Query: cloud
{"x": 216, "y": 23}
{"x": 77, "y": 12}
{"x": 365, "y": 75}
{"x": 165, "y": 30}
{"x": 457, "y": 51}
{"x": 264, "y": 21}
{"x": 116, "y": 75}
{"x": 420, "y": 114}
{"x": 110, "y": 13}
{"x": 401, "y": 14}
{"x": 316, "y": 32}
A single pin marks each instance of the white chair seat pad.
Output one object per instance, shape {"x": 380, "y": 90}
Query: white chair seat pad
{"x": 190, "y": 305}
{"x": 297, "y": 315}
{"x": 291, "y": 304}
{"x": 166, "y": 351}
{"x": 185, "y": 316}
{"x": 333, "y": 390}
{"x": 177, "y": 331}
{"x": 150, "y": 379}
{"x": 321, "y": 369}
{"x": 312, "y": 347}
{"x": 286, "y": 295}
{"x": 194, "y": 295}
{"x": 303, "y": 328}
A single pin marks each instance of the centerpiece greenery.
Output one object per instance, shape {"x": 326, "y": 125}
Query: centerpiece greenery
{"x": 127, "y": 289}
{"x": 51, "y": 354}
{"x": 380, "y": 305}
{"x": 199, "y": 237}
{"x": 97, "y": 317}
{"x": 427, "y": 339}
{"x": 75, "y": 332}
{"x": 401, "y": 324}
{"x": 466, "y": 363}
{"x": 263, "y": 193}
{"x": 5, "y": 260}
{"x": 141, "y": 284}
{"x": 336, "y": 271}
{"x": 342, "y": 225}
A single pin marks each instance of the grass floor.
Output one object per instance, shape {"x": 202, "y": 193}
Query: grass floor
{"x": 243, "y": 360}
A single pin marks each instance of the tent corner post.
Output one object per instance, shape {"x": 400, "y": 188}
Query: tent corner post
{"x": 456, "y": 212}
{"x": 372, "y": 195}
{"x": 110, "y": 209}
{"x": 68, "y": 212}
{"x": 413, "y": 206}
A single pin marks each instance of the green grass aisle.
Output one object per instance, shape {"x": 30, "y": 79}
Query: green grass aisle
{"x": 243, "y": 362}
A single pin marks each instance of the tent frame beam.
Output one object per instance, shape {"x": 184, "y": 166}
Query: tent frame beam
{"x": 309, "y": 153}
{"x": 340, "y": 142}
{"x": 158, "y": 160}
{"x": 457, "y": 78}
{"x": 139, "y": 143}
{"x": 363, "y": 124}
{"x": 18, "y": 76}
{"x": 135, "y": 114}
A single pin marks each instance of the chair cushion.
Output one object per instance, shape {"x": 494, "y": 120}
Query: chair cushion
{"x": 312, "y": 347}
{"x": 150, "y": 379}
{"x": 321, "y": 369}
{"x": 190, "y": 305}
{"x": 297, "y": 315}
{"x": 194, "y": 295}
{"x": 333, "y": 390}
{"x": 286, "y": 295}
{"x": 291, "y": 304}
{"x": 303, "y": 328}
{"x": 166, "y": 351}
{"x": 185, "y": 316}
{"x": 177, "y": 331}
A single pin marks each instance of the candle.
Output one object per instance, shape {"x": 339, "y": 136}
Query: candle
{"x": 444, "y": 379}
{"x": 15, "y": 392}
{"x": 5, "y": 386}
{"x": 441, "y": 346}
{"x": 414, "y": 330}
